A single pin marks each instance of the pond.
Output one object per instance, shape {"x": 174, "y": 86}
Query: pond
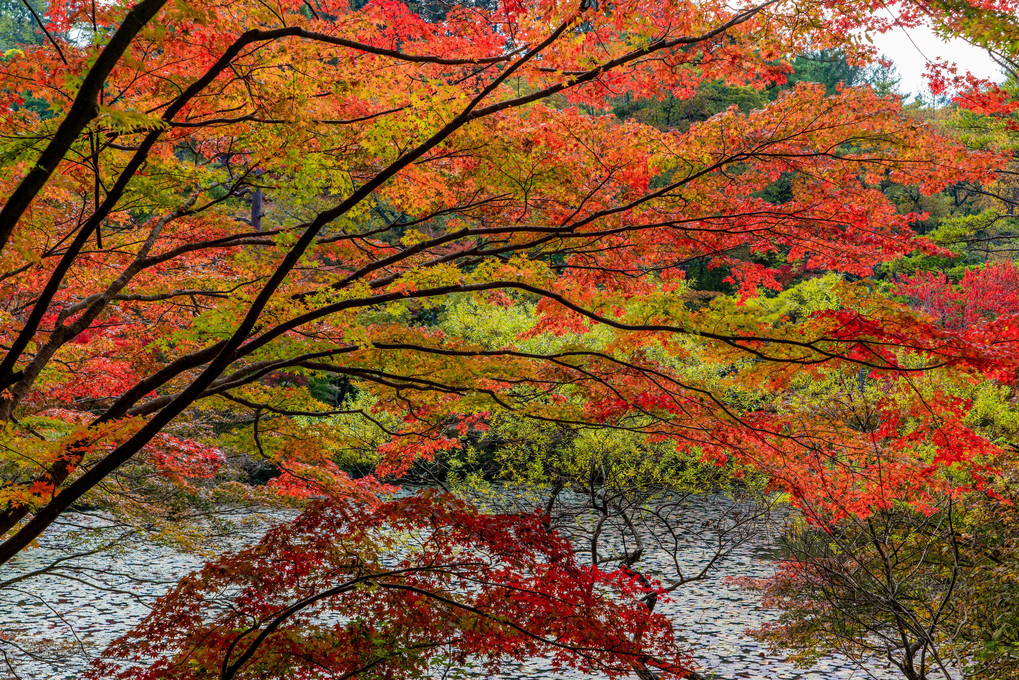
{"x": 52, "y": 625}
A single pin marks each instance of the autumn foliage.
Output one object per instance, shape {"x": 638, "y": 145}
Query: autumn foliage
{"x": 238, "y": 231}
{"x": 391, "y": 590}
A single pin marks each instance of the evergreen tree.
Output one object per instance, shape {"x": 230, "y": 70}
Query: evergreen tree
{"x": 18, "y": 26}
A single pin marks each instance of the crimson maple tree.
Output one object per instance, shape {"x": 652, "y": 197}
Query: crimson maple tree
{"x": 353, "y": 590}
{"x": 402, "y": 167}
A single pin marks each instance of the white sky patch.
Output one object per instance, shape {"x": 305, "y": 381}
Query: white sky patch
{"x": 912, "y": 48}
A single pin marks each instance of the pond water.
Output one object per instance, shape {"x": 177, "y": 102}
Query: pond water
{"x": 50, "y": 626}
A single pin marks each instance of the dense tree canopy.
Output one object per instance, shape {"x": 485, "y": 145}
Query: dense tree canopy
{"x": 251, "y": 250}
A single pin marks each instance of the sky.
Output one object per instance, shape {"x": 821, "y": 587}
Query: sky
{"x": 910, "y": 49}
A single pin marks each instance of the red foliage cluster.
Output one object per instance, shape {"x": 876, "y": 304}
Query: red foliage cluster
{"x": 350, "y": 589}
{"x": 982, "y": 296}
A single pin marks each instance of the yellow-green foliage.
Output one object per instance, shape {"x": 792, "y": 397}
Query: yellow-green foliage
{"x": 533, "y": 456}
{"x": 490, "y": 326}
{"x": 799, "y": 301}
{"x": 494, "y": 326}
{"x": 348, "y": 439}
{"x": 994, "y": 412}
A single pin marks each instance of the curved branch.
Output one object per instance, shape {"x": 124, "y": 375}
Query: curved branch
{"x": 82, "y": 111}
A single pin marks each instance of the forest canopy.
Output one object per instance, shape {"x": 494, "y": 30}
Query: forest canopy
{"x": 380, "y": 261}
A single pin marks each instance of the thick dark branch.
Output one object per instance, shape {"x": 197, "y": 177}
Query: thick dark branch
{"x": 42, "y": 27}
{"x": 82, "y": 111}
{"x": 228, "y": 351}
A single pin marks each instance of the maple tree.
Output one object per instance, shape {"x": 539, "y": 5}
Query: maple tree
{"x": 929, "y": 587}
{"x": 931, "y": 591}
{"x": 243, "y": 229}
{"x": 340, "y": 591}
